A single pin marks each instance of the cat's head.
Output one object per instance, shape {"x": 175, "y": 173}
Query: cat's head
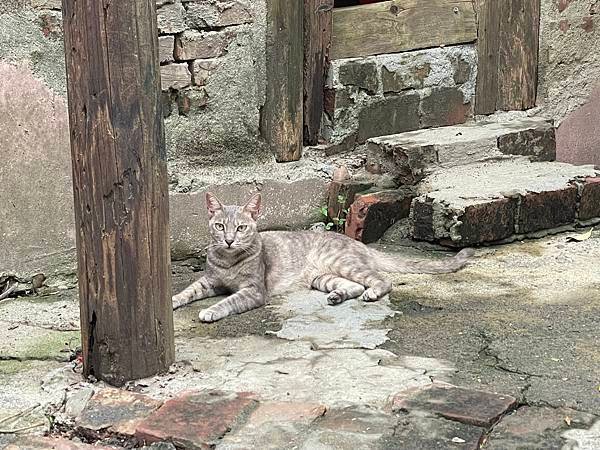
{"x": 233, "y": 226}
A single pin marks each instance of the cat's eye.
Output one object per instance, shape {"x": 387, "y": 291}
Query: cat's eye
{"x": 242, "y": 227}
{"x": 219, "y": 226}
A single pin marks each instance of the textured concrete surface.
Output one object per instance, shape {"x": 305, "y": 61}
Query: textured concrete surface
{"x": 410, "y": 156}
{"x": 459, "y": 185}
{"x": 518, "y": 322}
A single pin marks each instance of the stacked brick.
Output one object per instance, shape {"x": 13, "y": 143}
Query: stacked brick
{"x": 389, "y": 94}
{"x": 193, "y": 37}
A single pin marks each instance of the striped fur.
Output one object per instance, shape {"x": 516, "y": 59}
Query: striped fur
{"x": 250, "y": 266}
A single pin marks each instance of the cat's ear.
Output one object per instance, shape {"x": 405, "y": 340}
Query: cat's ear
{"x": 212, "y": 204}
{"x": 253, "y": 206}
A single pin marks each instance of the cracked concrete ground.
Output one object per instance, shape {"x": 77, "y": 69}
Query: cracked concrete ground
{"x": 521, "y": 320}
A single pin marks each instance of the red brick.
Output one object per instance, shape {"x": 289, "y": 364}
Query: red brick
{"x": 196, "y": 420}
{"x": 286, "y": 412}
{"x": 116, "y": 410}
{"x": 487, "y": 222}
{"x": 175, "y": 76}
{"x": 193, "y": 45}
{"x": 589, "y": 205}
{"x": 467, "y": 406}
{"x": 166, "y": 47}
{"x": 546, "y": 210}
{"x": 372, "y": 214}
{"x": 444, "y": 106}
{"x": 348, "y": 190}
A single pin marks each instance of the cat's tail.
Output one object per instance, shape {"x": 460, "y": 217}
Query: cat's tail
{"x": 396, "y": 264}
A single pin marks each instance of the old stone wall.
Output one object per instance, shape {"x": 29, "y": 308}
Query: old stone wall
{"x": 389, "y": 94}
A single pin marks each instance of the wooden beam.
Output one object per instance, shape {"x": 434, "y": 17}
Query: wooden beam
{"x": 401, "y": 25}
{"x": 508, "y": 55}
{"x": 120, "y": 188}
{"x": 317, "y": 41}
{"x": 281, "y": 115}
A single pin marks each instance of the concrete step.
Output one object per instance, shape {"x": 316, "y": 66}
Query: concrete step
{"x": 409, "y": 157}
{"x": 503, "y": 200}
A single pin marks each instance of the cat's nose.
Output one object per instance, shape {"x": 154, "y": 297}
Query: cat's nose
{"x": 229, "y": 242}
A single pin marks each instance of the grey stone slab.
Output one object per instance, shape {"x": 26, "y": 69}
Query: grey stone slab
{"x": 411, "y": 155}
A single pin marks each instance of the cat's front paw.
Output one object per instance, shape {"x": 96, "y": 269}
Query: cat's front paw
{"x": 209, "y": 315}
{"x": 178, "y": 301}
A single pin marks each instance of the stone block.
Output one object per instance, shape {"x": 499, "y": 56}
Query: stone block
{"x": 443, "y": 107}
{"x": 407, "y": 163}
{"x": 462, "y": 70}
{"x": 352, "y": 427}
{"x": 191, "y": 100}
{"x": 202, "y": 69}
{"x": 117, "y": 411}
{"x": 539, "y": 143}
{"x": 406, "y": 78}
{"x": 282, "y": 412}
{"x": 233, "y": 13}
{"x": 171, "y": 18}
{"x": 423, "y": 218}
{"x": 175, "y": 76}
{"x": 389, "y": 115}
{"x": 411, "y": 155}
{"x": 195, "y": 45}
{"x": 487, "y": 222}
{"x": 482, "y": 221}
{"x": 362, "y": 75}
{"x": 536, "y": 427}
{"x": 416, "y": 432}
{"x": 166, "y": 47}
{"x": 347, "y": 190}
{"x": 468, "y": 406}
{"x": 217, "y": 14}
{"x": 287, "y": 205}
{"x": 370, "y": 215}
{"x": 274, "y": 425}
{"x": 196, "y": 419}
{"x": 589, "y": 205}
{"x": 546, "y": 210}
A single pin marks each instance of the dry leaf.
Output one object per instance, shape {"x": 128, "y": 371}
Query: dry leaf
{"x": 581, "y": 237}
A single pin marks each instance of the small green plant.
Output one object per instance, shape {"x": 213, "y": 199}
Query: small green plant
{"x": 339, "y": 222}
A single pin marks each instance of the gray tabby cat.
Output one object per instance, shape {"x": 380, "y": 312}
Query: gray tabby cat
{"x": 249, "y": 266}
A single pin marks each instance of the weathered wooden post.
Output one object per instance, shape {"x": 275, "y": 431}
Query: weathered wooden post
{"x": 281, "y": 115}
{"x": 120, "y": 188}
{"x": 318, "y": 15}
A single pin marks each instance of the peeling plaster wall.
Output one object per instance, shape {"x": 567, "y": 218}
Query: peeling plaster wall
{"x": 569, "y": 76}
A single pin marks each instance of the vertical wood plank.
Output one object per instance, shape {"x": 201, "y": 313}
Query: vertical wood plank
{"x": 120, "y": 188}
{"x": 281, "y": 115}
{"x": 518, "y": 54}
{"x": 317, "y": 41}
{"x": 508, "y": 42}
{"x": 488, "y": 12}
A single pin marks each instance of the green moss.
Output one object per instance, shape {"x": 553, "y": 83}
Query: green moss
{"x": 50, "y": 346}
{"x": 12, "y": 366}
